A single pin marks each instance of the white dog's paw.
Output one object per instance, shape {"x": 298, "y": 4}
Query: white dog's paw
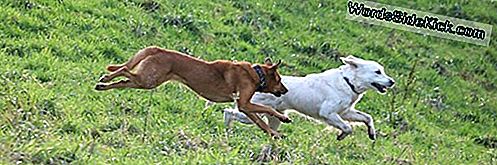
{"x": 372, "y": 134}
{"x": 342, "y": 136}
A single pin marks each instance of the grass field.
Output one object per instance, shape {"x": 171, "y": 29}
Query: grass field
{"x": 443, "y": 109}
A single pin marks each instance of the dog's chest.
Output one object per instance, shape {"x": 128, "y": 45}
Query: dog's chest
{"x": 339, "y": 104}
{"x": 354, "y": 99}
{"x": 348, "y": 102}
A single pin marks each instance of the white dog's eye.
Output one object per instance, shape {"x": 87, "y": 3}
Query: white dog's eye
{"x": 378, "y": 72}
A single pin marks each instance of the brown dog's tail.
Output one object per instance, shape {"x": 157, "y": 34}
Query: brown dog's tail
{"x": 136, "y": 59}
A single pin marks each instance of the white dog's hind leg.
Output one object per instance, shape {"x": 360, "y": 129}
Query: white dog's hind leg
{"x": 358, "y": 116}
{"x": 336, "y": 121}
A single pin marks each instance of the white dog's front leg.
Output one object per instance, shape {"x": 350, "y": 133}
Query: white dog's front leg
{"x": 336, "y": 121}
{"x": 274, "y": 122}
{"x": 358, "y": 116}
{"x": 233, "y": 114}
{"x": 208, "y": 104}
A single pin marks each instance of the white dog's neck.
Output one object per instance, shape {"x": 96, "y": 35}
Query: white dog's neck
{"x": 355, "y": 86}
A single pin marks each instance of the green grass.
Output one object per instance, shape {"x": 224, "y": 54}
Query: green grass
{"x": 52, "y": 53}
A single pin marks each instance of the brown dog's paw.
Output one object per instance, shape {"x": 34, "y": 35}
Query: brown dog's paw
{"x": 286, "y": 120}
{"x": 100, "y": 87}
{"x": 277, "y": 135}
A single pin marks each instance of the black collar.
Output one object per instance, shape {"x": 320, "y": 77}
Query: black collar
{"x": 350, "y": 85}
{"x": 262, "y": 78}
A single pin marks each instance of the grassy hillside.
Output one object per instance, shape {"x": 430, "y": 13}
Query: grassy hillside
{"x": 52, "y": 53}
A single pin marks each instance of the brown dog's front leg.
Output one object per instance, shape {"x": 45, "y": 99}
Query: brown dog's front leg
{"x": 255, "y": 108}
{"x": 119, "y": 84}
{"x": 244, "y": 103}
{"x": 249, "y": 109}
{"x": 257, "y": 120}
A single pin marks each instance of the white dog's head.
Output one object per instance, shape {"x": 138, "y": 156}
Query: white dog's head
{"x": 366, "y": 74}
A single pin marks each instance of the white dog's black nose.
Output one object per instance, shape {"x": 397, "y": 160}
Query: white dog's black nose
{"x": 392, "y": 82}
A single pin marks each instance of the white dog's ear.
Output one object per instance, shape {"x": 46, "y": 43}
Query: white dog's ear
{"x": 351, "y": 60}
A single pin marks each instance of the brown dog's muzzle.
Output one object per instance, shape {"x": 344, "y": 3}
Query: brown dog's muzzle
{"x": 284, "y": 90}
{"x": 280, "y": 92}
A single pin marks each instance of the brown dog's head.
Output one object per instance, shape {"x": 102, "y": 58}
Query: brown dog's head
{"x": 273, "y": 79}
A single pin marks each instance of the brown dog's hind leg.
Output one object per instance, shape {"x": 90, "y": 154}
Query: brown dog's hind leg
{"x": 148, "y": 74}
{"x": 137, "y": 58}
{"x": 119, "y": 84}
{"x": 123, "y": 71}
{"x": 134, "y": 81}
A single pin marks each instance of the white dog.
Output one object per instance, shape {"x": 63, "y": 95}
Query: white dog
{"x": 329, "y": 96}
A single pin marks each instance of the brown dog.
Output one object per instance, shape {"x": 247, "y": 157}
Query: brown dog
{"x": 216, "y": 81}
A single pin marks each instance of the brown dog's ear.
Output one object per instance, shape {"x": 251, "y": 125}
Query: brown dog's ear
{"x": 268, "y": 61}
{"x": 275, "y": 66}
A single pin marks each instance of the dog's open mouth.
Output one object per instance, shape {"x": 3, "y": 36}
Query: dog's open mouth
{"x": 379, "y": 87}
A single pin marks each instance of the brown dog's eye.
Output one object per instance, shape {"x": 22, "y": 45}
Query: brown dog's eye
{"x": 378, "y": 72}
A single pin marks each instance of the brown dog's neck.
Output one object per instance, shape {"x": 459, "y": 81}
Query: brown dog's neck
{"x": 261, "y": 76}
{"x": 255, "y": 76}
